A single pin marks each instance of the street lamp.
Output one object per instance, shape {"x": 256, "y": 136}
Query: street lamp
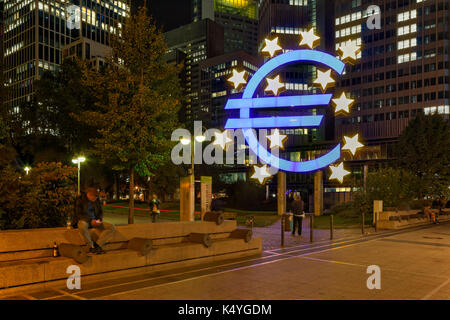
{"x": 27, "y": 169}
{"x": 185, "y": 141}
{"x": 78, "y": 161}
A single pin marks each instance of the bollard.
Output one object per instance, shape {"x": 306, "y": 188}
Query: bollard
{"x": 282, "y": 230}
{"x": 362, "y": 224}
{"x": 311, "y": 226}
{"x": 331, "y": 227}
{"x": 376, "y": 221}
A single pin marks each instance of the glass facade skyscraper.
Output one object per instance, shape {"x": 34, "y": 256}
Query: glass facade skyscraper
{"x": 35, "y": 33}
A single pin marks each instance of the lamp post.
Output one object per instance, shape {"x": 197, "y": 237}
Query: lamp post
{"x": 78, "y": 161}
{"x": 27, "y": 169}
{"x": 186, "y": 141}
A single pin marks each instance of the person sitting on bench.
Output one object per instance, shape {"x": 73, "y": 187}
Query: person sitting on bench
{"x": 88, "y": 218}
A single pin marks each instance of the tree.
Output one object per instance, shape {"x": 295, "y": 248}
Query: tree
{"x": 137, "y": 100}
{"x": 59, "y": 96}
{"x": 423, "y": 149}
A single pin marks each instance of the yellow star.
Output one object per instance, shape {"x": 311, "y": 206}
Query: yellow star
{"x": 274, "y": 85}
{"x": 309, "y": 39}
{"x": 238, "y": 78}
{"x": 349, "y": 51}
{"x": 343, "y": 103}
{"x": 324, "y": 80}
{"x": 276, "y": 139}
{"x": 271, "y": 47}
{"x": 261, "y": 173}
{"x": 352, "y": 144}
{"x": 338, "y": 172}
{"x": 221, "y": 139}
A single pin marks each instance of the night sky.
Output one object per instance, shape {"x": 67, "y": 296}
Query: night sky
{"x": 169, "y": 14}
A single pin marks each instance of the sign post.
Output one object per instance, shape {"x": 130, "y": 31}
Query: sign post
{"x": 187, "y": 198}
{"x": 205, "y": 194}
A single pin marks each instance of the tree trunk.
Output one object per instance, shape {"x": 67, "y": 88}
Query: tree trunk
{"x": 116, "y": 186}
{"x": 131, "y": 203}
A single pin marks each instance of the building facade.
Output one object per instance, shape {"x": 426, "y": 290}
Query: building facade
{"x": 284, "y": 20}
{"x": 239, "y": 18}
{"x": 404, "y": 66}
{"x": 198, "y": 41}
{"x": 35, "y": 32}
{"x": 214, "y": 74}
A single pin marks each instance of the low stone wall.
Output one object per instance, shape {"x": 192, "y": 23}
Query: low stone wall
{"x": 406, "y": 218}
{"x": 26, "y": 255}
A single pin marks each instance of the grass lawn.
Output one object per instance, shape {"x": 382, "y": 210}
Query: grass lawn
{"x": 262, "y": 219}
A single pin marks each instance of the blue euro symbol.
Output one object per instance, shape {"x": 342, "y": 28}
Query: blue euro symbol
{"x": 247, "y": 102}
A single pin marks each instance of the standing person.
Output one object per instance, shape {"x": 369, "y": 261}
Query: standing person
{"x": 297, "y": 209}
{"x": 88, "y": 218}
{"x": 154, "y": 205}
{"x": 430, "y": 214}
{"x": 217, "y": 204}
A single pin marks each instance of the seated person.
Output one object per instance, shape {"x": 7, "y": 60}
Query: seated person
{"x": 88, "y": 217}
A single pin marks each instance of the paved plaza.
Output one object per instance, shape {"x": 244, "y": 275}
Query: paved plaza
{"x": 414, "y": 265}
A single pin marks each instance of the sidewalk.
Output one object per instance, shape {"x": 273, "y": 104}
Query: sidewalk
{"x": 271, "y": 235}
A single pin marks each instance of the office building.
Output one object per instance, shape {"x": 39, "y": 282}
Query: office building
{"x": 403, "y": 69}
{"x": 217, "y": 90}
{"x": 239, "y": 18}
{"x": 35, "y": 32}
{"x": 198, "y": 41}
{"x": 285, "y": 20}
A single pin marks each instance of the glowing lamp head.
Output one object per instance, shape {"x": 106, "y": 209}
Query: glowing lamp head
{"x": 185, "y": 141}
{"x": 79, "y": 160}
{"x": 200, "y": 138}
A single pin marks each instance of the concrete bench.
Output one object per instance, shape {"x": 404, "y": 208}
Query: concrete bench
{"x": 26, "y": 255}
{"x": 405, "y": 218}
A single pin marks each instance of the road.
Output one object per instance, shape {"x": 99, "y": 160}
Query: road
{"x": 414, "y": 264}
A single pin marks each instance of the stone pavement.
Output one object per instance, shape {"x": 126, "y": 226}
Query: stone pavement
{"x": 414, "y": 264}
{"x": 271, "y": 235}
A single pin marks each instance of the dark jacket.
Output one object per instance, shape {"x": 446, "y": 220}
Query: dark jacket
{"x": 217, "y": 205}
{"x": 82, "y": 212}
{"x": 297, "y": 207}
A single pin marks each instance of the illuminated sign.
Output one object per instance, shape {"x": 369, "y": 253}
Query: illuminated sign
{"x": 247, "y": 102}
{"x": 324, "y": 80}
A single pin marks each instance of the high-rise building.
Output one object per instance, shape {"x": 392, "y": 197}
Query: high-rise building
{"x": 1, "y": 34}
{"x": 285, "y": 19}
{"x": 214, "y": 74}
{"x": 35, "y": 33}
{"x": 239, "y": 18}
{"x": 198, "y": 41}
{"x": 403, "y": 70}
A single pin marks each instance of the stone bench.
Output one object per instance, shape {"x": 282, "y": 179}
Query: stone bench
{"x": 405, "y": 218}
{"x": 26, "y": 255}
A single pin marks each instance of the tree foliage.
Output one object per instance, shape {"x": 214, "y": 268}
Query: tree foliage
{"x": 43, "y": 198}
{"x": 137, "y": 100}
{"x": 423, "y": 149}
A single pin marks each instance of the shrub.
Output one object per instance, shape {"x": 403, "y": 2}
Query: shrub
{"x": 43, "y": 198}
